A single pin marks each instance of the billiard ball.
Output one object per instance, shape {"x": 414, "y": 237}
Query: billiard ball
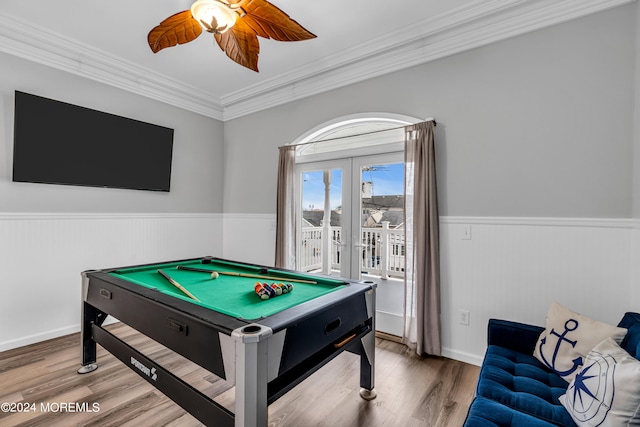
{"x": 261, "y": 291}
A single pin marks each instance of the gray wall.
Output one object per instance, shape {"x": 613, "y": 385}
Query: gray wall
{"x": 537, "y": 126}
{"x": 196, "y": 184}
{"x": 636, "y": 136}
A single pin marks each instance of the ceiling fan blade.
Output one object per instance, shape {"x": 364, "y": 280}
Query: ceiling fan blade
{"x": 240, "y": 44}
{"x": 180, "y": 28}
{"x": 270, "y": 22}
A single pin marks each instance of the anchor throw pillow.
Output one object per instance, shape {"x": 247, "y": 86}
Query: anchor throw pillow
{"x": 606, "y": 392}
{"x": 567, "y": 339}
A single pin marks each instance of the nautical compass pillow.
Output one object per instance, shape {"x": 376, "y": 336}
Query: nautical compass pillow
{"x": 568, "y": 338}
{"x": 606, "y": 392}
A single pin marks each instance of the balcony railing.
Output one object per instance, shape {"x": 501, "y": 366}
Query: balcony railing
{"x": 381, "y": 250}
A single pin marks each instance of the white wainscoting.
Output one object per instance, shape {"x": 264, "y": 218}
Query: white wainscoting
{"x": 512, "y": 268}
{"x": 250, "y": 238}
{"x": 42, "y": 256}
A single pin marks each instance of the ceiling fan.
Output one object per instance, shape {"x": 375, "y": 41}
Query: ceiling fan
{"x": 235, "y": 25}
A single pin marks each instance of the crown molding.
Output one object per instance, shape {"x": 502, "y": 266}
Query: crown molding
{"x": 475, "y": 24}
{"x": 22, "y": 40}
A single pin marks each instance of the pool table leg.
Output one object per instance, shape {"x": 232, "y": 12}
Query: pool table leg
{"x": 251, "y": 375}
{"x": 367, "y": 366}
{"x": 368, "y": 352}
{"x": 90, "y": 316}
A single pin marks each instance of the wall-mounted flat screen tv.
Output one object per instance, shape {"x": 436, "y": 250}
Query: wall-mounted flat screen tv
{"x": 60, "y": 143}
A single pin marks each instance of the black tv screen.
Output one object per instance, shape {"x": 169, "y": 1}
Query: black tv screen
{"x": 59, "y": 143}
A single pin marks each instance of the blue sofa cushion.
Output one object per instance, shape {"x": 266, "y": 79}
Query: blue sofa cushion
{"x": 487, "y": 413}
{"x": 631, "y": 342}
{"x": 519, "y": 381}
{"x": 514, "y": 335}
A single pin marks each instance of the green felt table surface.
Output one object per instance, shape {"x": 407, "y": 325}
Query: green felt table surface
{"x": 231, "y": 295}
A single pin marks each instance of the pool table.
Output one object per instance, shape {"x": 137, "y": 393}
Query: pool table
{"x": 265, "y": 347}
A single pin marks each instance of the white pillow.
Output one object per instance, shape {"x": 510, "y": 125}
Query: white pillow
{"x": 606, "y": 392}
{"x": 568, "y": 338}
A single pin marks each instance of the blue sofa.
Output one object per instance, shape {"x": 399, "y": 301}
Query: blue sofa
{"x": 515, "y": 389}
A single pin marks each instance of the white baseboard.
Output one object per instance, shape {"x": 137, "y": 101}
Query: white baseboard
{"x": 389, "y": 323}
{"x": 462, "y": 356}
{"x": 47, "y": 335}
{"x": 43, "y": 336}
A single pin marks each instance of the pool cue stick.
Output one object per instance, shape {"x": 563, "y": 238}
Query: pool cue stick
{"x": 177, "y": 285}
{"x": 259, "y": 276}
{"x": 254, "y": 276}
{"x": 201, "y": 270}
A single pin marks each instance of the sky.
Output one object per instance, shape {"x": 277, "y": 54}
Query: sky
{"x": 388, "y": 179}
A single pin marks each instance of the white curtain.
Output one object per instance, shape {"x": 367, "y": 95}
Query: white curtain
{"x": 422, "y": 253}
{"x": 285, "y": 256}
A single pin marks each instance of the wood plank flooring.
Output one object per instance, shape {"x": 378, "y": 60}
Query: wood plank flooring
{"x": 412, "y": 391}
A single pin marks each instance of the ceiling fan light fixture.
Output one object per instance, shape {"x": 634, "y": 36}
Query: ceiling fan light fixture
{"x": 252, "y": 19}
{"x": 214, "y": 16}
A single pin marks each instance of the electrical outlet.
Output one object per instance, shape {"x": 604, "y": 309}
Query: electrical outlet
{"x": 464, "y": 317}
{"x": 466, "y": 232}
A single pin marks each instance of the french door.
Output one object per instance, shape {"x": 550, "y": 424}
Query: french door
{"x": 324, "y": 217}
{"x": 351, "y": 216}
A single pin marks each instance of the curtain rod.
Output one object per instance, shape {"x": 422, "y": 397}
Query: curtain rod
{"x": 430, "y": 119}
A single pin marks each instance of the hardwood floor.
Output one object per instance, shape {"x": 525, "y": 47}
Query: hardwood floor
{"x": 412, "y": 391}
